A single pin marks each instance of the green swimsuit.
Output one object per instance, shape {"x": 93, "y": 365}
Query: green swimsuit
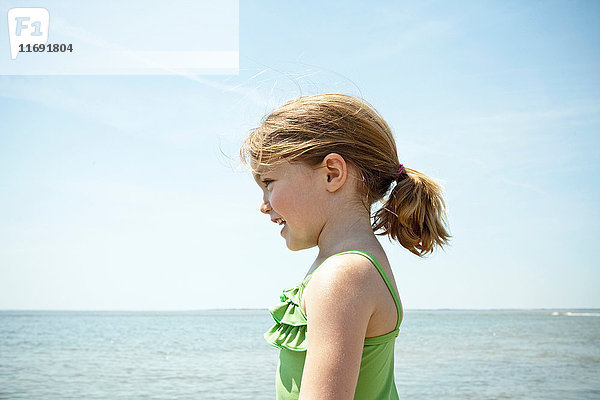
{"x": 376, "y": 376}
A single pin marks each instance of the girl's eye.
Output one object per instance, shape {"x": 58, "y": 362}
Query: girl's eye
{"x": 267, "y": 182}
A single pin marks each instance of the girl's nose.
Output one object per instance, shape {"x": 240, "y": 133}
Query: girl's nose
{"x": 265, "y": 207}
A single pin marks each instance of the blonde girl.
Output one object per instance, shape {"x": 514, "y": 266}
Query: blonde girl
{"x": 322, "y": 162}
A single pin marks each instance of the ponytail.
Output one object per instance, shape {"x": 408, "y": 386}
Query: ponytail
{"x": 414, "y": 213}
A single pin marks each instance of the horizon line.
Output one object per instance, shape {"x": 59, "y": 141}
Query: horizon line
{"x": 266, "y": 309}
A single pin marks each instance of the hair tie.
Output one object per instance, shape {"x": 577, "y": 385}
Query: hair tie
{"x": 400, "y": 171}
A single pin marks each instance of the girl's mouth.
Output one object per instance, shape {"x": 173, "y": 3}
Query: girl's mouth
{"x": 279, "y": 221}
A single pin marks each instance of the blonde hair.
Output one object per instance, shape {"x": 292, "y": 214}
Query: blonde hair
{"x": 308, "y": 128}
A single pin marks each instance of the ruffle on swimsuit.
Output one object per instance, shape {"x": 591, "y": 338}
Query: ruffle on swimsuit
{"x": 289, "y": 331}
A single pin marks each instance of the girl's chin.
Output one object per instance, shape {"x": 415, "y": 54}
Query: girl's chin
{"x": 298, "y": 246}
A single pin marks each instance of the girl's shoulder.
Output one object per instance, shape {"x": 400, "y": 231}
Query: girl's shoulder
{"x": 353, "y": 275}
{"x": 346, "y": 267}
{"x": 357, "y": 266}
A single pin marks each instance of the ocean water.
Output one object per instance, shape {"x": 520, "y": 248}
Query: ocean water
{"x": 539, "y": 354}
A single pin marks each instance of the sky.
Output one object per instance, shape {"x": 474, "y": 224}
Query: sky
{"x": 126, "y": 192}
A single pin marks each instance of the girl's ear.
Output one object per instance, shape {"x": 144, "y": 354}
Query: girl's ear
{"x": 335, "y": 170}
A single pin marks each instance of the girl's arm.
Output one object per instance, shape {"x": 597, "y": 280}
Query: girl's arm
{"x": 339, "y": 302}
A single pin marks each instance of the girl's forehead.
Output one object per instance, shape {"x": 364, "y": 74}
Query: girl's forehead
{"x": 261, "y": 169}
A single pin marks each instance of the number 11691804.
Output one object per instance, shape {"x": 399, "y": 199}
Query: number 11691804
{"x": 46, "y": 48}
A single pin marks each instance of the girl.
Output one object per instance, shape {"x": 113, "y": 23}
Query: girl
{"x": 322, "y": 162}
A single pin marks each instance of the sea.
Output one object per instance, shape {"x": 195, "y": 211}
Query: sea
{"x": 440, "y": 354}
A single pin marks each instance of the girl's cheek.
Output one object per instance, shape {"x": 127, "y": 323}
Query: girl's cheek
{"x": 276, "y": 200}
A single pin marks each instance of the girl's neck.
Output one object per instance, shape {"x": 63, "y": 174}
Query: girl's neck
{"x": 348, "y": 230}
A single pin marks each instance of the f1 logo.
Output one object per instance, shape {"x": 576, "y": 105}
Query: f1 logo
{"x": 27, "y": 26}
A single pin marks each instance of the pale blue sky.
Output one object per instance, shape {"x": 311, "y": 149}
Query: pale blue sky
{"x": 118, "y": 192}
